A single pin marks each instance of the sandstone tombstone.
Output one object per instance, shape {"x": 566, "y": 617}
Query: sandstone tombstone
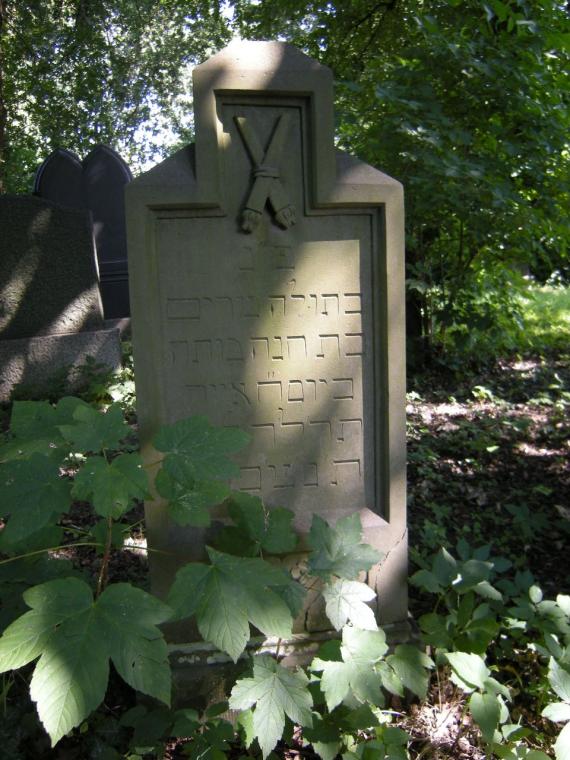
{"x": 97, "y": 185}
{"x": 267, "y": 293}
{"x": 50, "y": 307}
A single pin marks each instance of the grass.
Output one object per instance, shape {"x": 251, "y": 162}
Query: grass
{"x": 547, "y": 317}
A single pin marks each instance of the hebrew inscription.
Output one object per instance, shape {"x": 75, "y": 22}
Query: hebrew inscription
{"x": 281, "y": 355}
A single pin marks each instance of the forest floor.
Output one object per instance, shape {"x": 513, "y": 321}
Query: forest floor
{"x": 489, "y": 462}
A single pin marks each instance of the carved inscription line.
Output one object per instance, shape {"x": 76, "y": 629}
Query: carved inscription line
{"x": 290, "y": 475}
{"x": 277, "y": 305}
{"x": 292, "y": 392}
{"x": 270, "y": 435}
{"x": 277, "y": 348}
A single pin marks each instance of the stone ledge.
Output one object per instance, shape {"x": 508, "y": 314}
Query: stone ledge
{"x": 202, "y": 675}
{"x": 35, "y": 361}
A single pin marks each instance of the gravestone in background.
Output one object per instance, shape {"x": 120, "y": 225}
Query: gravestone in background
{"x": 267, "y": 293}
{"x": 50, "y": 308}
{"x": 97, "y": 184}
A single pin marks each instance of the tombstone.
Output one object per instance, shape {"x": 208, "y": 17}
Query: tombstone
{"x": 50, "y": 307}
{"x": 60, "y": 179}
{"x": 267, "y": 292}
{"x": 97, "y": 184}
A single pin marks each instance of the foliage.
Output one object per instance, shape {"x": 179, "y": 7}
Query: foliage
{"x": 78, "y": 73}
{"x": 230, "y": 593}
{"x": 547, "y": 318}
{"x": 73, "y": 630}
{"x": 465, "y": 102}
{"x": 559, "y": 678}
{"x": 515, "y": 615}
{"x": 276, "y": 692}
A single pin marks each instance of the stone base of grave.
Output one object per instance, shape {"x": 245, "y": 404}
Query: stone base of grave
{"x": 202, "y": 675}
{"x": 123, "y": 324}
{"x": 41, "y": 362}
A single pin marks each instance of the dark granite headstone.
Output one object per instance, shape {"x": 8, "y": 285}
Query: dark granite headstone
{"x": 60, "y": 179}
{"x": 51, "y": 316}
{"x": 105, "y": 175}
{"x": 48, "y": 274}
{"x": 97, "y": 185}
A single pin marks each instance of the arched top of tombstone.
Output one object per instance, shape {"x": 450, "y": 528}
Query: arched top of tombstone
{"x": 277, "y": 73}
{"x": 59, "y": 179}
{"x": 103, "y": 160}
{"x": 262, "y": 55}
{"x": 264, "y": 68}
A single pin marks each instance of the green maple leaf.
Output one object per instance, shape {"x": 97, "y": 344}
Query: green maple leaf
{"x": 346, "y": 601}
{"x": 293, "y": 594}
{"x": 34, "y": 428}
{"x": 228, "y": 595}
{"x": 189, "y": 499}
{"x": 111, "y": 487}
{"x": 276, "y": 692}
{"x": 410, "y": 666}
{"x": 202, "y": 450}
{"x": 33, "y": 494}
{"x": 257, "y": 528}
{"x": 137, "y": 647}
{"x": 356, "y": 674}
{"x": 74, "y": 637}
{"x": 338, "y": 551}
{"x": 95, "y": 431}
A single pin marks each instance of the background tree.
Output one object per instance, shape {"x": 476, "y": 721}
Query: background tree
{"x": 79, "y": 72}
{"x": 466, "y": 102}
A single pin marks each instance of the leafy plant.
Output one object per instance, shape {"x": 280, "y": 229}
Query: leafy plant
{"x": 68, "y": 629}
{"x": 559, "y": 679}
{"x": 54, "y": 455}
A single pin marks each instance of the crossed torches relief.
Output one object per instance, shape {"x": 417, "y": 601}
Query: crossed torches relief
{"x": 267, "y": 184}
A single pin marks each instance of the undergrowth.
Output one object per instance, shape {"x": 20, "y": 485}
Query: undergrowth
{"x": 486, "y": 631}
{"x": 487, "y": 676}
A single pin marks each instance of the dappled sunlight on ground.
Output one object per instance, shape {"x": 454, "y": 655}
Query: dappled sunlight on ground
{"x": 491, "y": 464}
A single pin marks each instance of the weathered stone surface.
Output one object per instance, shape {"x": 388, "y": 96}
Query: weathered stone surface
{"x": 35, "y": 361}
{"x": 267, "y": 292}
{"x": 48, "y": 272}
{"x": 97, "y": 185}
